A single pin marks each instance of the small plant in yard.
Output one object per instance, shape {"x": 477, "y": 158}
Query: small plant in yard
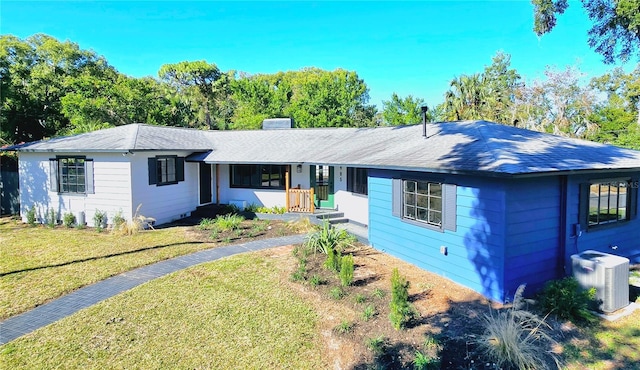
{"x": 31, "y": 216}
{"x": 137, "y": 223}
{"x": 214, "y": 234}
{"x": 344, "y": 327}
{"x": 429, "y": 359}
{"x": 316, "y": 280}
{"x": 206, "y": 224}
{"x": 337, "y": 293}
{"x": 302, "y": 225}
{"x": 118, "y": 220}
{"x": 567, "y": 300}
{"x": 252, "y": 208}
{"x": 69, "y": 219}
{"x": 360, "y": 298}
{"x": 51, "y": 218}
{"x": 377, "y": 345}
{"x": 228, "y": 222}
{"x": 346, "y": 270}
{"x": 516, "y": 338}
{"x": 99, "y": 219}
{"x": 332, "y": 262}
{"x": 378, "y": 293}
{"x": 369, "y": 312}
{"x": 401, "y": 309}
{"x": 328, "y": 238}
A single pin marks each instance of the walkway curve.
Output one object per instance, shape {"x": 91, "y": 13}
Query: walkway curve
{"x": 24, "y": 323}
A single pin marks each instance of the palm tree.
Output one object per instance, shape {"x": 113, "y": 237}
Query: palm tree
{"x": 466, "y": 98}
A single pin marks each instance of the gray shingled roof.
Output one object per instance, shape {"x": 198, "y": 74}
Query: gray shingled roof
{"x": 133, "y": 137}
{"x": 455, "y": 147}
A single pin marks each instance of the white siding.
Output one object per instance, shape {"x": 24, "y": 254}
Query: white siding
{"x": 168, "y": 202}
{"x": 354, "y": 206}
{"x": 112, "y": 182}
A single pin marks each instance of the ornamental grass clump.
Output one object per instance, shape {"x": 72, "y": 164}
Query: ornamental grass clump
{"x": 228, "y": 222}
{"x": 516, "y": 338}
{"x": 328, "y": 238}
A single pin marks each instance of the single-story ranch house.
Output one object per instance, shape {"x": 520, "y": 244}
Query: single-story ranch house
{"x": 486, "y": 205}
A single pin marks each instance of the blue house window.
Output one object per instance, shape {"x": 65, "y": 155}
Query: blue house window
{"x": 422, "y": 202}
{"x": 71, "y": 175}
{"x": 608, "y": 203}
{"x": 430, "y": 204}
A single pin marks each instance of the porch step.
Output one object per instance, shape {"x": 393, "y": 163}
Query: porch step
{"x": 333, "y": 217}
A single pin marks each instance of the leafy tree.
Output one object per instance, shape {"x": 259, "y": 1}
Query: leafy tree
{"x": 558, "y": 104}
{"x": 205, "y": 86}
{"x": 403, "y": 111}
{"x": 36, "y": 74}
{"x": 615, "y": 33}
{"x": 489, "y": 95}
{"x": 618, "y": 117}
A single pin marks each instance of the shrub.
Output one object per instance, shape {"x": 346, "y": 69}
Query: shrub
{"x": 567, "y": 300}
{"x": 99, "y": 219}
{"x": 31, "y": 216}
{"x": 346, "y": 270}
{"x": 516, "y": 338}
{"x": 51, "y": 218}
{"x": 253, "y": 208}
{"x": 69, "y": 219}
{"x": 228, "y": 222}
{"x": 328, "y": 238}
{"x": 118, "y": 220}
{"x": 401, "y": 309}
{"x": 333, "y": 260}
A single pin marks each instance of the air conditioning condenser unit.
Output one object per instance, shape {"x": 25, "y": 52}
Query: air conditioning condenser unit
{"x": 608, "y": 273}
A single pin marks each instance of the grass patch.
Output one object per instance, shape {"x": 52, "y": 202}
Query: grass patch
{"x": 40, "y": 263}
{"x": 201, "y": 317}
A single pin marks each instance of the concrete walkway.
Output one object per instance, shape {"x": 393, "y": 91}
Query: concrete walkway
{"x": 19, "y": 325}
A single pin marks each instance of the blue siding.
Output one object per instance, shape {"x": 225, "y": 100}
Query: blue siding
{"x": 533, "y": 232}
{"x": 625, "y": 236}
{"x": 475, "y": 255}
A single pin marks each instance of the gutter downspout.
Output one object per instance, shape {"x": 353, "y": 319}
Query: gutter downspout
{"x": 217, "y": 183}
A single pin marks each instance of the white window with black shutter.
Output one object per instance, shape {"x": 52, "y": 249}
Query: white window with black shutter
{"x": 71, "y": 175}
{"x": 423, "y": 203}
{"x": 166, "y": 170}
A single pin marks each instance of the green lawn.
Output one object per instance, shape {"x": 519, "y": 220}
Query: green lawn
{"x": 39, "y": 264}
{"x": 209, "y": 316}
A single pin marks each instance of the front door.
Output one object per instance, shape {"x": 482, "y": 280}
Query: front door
{"x": 205, "y": 183}
{"x": 322, "y": 183}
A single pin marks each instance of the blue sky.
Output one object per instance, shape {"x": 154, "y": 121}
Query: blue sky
{"x": 405, "y": 47}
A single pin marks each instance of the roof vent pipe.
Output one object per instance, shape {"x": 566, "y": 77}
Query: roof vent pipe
{"x": 424, "y": 109}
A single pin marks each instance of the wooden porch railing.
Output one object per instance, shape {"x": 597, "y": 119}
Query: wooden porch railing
{"x": 300, "y": 200}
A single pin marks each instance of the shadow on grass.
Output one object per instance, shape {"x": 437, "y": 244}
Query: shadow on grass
{"x": 97, "y": 258}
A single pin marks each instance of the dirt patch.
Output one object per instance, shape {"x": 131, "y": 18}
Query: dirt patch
{"x": 448, "y": 314}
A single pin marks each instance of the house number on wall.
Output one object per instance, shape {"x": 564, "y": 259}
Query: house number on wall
{"x": 340, "y": 174}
